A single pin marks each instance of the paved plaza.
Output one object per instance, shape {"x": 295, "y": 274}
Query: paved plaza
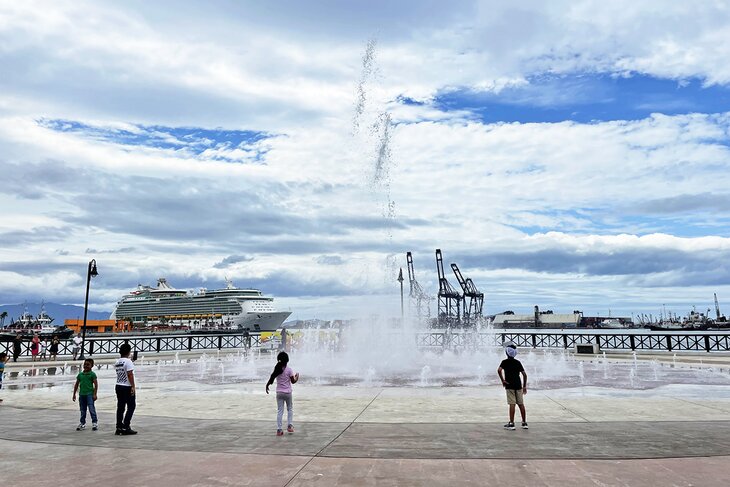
{"x": 195, "y": 433}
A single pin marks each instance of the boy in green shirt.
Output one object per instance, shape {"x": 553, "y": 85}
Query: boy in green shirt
{"x": 87, "y": 386}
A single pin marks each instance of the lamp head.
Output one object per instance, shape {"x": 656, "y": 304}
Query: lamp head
{"x": 92, "y": 268}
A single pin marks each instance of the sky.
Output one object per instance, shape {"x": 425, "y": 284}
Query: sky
{"x": 569, "y": 154}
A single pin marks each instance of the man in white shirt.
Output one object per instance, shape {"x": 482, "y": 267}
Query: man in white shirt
{"x": 76, "y": 345}
{"x": 125, "y": 391}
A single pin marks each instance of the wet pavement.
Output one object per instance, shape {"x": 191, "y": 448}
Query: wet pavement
{"x": 198, "y": 433}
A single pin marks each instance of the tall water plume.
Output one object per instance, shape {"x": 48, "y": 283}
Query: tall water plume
{"x": 376, "y": 146}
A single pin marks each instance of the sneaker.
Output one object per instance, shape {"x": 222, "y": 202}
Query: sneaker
{"x": 279, "y": 433}
{"x": 118, "y": 431}
{"x": 95, "y": 426}
{"x": 128, "y": 431}
{"x": 290, "y": 429}
{"x": 509, "y": 426}
{"x": 524, "y": 426}
{"x": 81, "y": 427}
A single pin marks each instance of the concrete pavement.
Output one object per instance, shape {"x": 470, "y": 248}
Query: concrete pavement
{"x": 204, "y": 434}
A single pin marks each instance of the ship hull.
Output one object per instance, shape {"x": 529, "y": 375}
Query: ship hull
{"x": 261, "y": 321}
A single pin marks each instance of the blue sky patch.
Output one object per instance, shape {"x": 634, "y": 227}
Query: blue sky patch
{"x": 613, "y": 221}
{"x": 587, "y": 98}
{"x": 193, "y": 140}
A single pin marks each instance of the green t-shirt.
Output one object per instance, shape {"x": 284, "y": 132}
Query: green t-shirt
{"x": 86, "y": 383}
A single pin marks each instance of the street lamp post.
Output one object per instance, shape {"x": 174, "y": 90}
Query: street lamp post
{"x": 91, "y": 272}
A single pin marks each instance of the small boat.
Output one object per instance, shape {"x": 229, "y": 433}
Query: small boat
{"x": 612, "y": 323}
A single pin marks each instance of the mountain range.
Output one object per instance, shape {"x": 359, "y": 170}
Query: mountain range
{"x": 59, "y": 312}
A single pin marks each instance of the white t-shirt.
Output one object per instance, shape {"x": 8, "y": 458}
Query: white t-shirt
{"x": 122, "y": 366}
{"x": 77, "y": 341}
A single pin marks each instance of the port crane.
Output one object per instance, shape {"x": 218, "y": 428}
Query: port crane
{"x": 449, "y": 299}
{"x": 416, "y": 292}
{"x": 717, "y": 310}
{"x": 473, "y": 311}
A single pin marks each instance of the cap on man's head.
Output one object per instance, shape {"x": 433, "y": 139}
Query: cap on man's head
{"x": 510, "y": 350}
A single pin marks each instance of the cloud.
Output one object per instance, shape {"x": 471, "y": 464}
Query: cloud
{"x": 232, "y": 259}
{"x": 622, "y": 255}
{"x": 687, "y": 203}
{"x": 330, "y": 260}
{"x": 111, "y": 251}
{"x": 566, "y": 153}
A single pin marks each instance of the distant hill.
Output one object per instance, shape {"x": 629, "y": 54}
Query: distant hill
{"x": 59, "y": 312}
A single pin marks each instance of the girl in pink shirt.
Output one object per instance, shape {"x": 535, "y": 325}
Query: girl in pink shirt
{"x": 285, "y": 377}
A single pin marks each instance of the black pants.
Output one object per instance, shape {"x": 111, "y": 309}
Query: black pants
{"x": 125, "y": 399}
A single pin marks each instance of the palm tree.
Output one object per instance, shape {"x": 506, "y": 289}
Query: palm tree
{"x": 3, "y": 315}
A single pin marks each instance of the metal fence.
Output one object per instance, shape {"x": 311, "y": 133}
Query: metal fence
{"x": 96, "y": 346}
{"x": 619, "y": 340}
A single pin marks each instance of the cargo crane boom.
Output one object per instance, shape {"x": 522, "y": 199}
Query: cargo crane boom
{"x": 416, "y": 291}
{"x": 415, "y": 288}
{"x": 476, "y": 299}
{"x": 717, "y": 307}
{"x": 449, "y": 299}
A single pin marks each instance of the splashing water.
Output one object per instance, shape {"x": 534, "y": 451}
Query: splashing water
{"x": 368, "y": 61}
{"x": 374, "y": 353}
{"x": 425, "y": 375}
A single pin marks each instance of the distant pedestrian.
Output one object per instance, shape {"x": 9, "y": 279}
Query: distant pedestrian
{"x": 509, "y": 373}
{"x": 77, "y": 343}
{"x": 55, "y": 342}
{"x": 35, "y": 345}
{"x": 42, "y": 350}
{"x": 283, "y": 346}
{"x": 3, "y": 360}
{"x": 87, "y": 387}
{"x": 126, "y": 391}
{"x": 246, "y": 339}
{"x": 17, "y": 347}
{"x": 284, "y": 377}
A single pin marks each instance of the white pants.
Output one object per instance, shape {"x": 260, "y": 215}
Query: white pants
{"x": 281, "y": 398}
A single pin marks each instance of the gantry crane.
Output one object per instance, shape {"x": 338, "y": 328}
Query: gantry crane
{"x": 416, "y": 293}
{"x": 449, "y": 299}
{"x": 473, "y": 310}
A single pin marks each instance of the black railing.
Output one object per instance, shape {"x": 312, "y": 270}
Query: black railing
{"x": 100, "y": 346}
{"x": 619, "y": 340}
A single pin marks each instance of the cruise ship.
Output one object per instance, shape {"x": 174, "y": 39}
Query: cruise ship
{"x": 222, "y": 308}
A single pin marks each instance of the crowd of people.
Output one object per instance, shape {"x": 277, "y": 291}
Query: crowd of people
{"x": 42, "y": 348}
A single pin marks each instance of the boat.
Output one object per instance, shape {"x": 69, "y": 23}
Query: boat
{"x": 693, "y": 321}
{"x": 28, "y": 325}
{"x": 226, "y": 309}
{"x": 668, "y": 325}
{"x": 612, "y": 323}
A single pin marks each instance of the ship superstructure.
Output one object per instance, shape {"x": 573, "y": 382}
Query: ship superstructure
{"x": 230, "y": 307}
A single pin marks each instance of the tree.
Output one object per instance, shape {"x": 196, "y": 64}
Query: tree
{"x": 3, "y": 315}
